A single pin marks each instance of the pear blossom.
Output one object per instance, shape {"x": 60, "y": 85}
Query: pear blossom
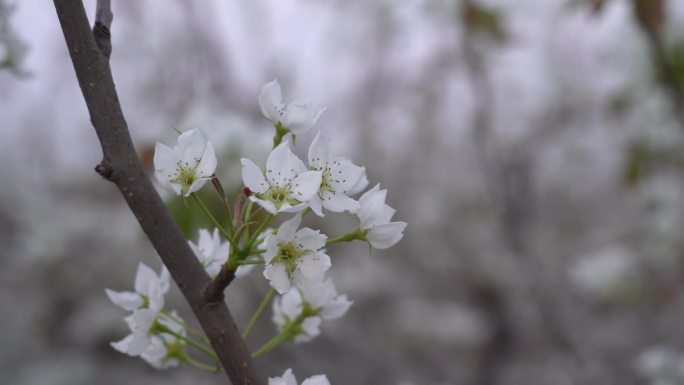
{"x": 150, "y": 290}
{"x": 165, "y": 349}
{"x": 338, "y": 177}
{"x": 187, "y": 166}
{"x": 297, "y": 117}
{"x": 314, "y": 301}
{"x": 212, "y": 251}
{"x": 287, "y": 186}
{"x": 159, "y": 349}
{"x": 294, "y": 255}
{"x": 289, "y": 379}
{"x": 140, "y": 323}
{"x": 375, "y": 215}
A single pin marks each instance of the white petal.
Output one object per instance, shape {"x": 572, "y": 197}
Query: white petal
{"x": 190, "y": 147}
{"x": 196, "y": 186}
{"x": 144, "y": 319}
{"x": 165, "y": 167}
{"x": 287, "y": 208}
{"x": 387, "y": 235}
{"x": 287, "y": 379}
{"x": 270, "y": 100}
{"x": 301, "y": 116}
{"x": 266, "y": 205}
{"x": 320, "y": 379}
{"x": 271, "y": 246}
{"x": 282, "y": 166}
{"x": 311, "y": 325}
{"x": 313, "y": 265}
{"x": 122, "y": 346}
{"x": 291, "y": 303}
{"x": 143, "y": 277}
{"x": 372, "y": 208}
{"x": 316, "y": 205}
{"x": 125, "y": 299}
{"x": 164, "y": 160}
{"x": 207, "y": 165}
{"x": 344, "y": 175}
{"x": 335, "y": 308}
{"x": 164, "y": 279}
{"x": 338, "y": 202}
{"x": 278, "y": 277}
{"x": 252, "y": 176}
{"x": 306, "y": 185}
{"x": 318, "y": 152}
{"x": 360, "y": 185}
{"x": 309, "y": 239}
{"x": 286, "y": 231}
{"x": 155, "y": 353}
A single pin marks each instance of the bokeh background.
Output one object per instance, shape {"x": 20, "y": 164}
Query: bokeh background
{"x": 533, "y": 146}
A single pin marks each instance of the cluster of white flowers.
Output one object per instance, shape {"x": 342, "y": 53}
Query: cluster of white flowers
{"x": 148, "y": 322}
{"x": 295, "y": 258}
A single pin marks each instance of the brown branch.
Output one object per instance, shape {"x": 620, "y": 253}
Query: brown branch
{"x": 120, "y": 165}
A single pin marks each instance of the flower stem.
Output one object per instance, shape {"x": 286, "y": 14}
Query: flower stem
{"x": 193, "y": 362}
{"x": 258, "y": 231}
{"x": 258, "y": 312}
{"x": 191, "y": 342}
{"x": 279, "y": 134}
{"x": 283, "y": 336}
{"x": 213, "y": 219}
{"x": 354, "y": 235}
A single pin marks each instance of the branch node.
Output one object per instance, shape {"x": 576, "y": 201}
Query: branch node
{"x": 105, "y": 171}
{"x": 103, "y": 39}
{"x": 214, "y": 292}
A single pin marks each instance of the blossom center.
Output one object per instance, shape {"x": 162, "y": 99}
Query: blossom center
{"x": 186, "y": 175}
{"x": 288, "y": 255}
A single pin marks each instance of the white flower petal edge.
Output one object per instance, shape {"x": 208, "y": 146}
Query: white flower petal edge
{"x": 211, "y": 250}
{"x": 150, "y": 290}
{"x": 287, "y": 185}
{"x": 286, "y": 379}
{"x": 374, "y": 217}
{"x": 289, "y": 379}
{"x": 298, "y": 117}
{"x": 187, "y": 166}
{"x": 338, "y": 178}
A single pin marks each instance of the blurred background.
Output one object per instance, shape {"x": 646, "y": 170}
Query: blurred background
{"x": 533, "y": 146}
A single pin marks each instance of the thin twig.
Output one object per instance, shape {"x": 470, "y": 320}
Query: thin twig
{"x": 121, "y": 165}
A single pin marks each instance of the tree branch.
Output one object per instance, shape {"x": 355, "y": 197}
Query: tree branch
{"x": 120, "y": 165}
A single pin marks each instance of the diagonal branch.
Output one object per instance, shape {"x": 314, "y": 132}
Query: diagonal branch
{"x": 120, "y": 165}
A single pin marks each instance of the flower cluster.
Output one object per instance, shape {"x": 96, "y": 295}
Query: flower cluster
{"x": 147, "y": 320}
{"x": 294, "y": 257}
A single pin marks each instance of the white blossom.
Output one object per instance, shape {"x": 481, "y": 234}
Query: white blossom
{"x": 187, "y": 166}
{"x": 289, "y": 379}
{"x": 339, "y": 177}
{"x": 212, "y": 251}
{"x": 164, "y": 348}
{"x": 315, "y": 301}
{"x": 150, "y": 290}
{"x": 140, "y": 323}
{"x": 294, "y": 255}
{"x": 297, "y": 117}
{"x": 287, "y": 186}
{"x": 375, "y": 216}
